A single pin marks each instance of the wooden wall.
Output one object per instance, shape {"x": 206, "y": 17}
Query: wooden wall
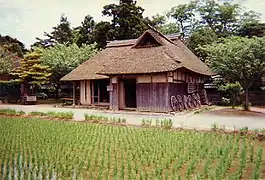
{"x": 152, "y": 97}
{"x": 177, "y": 89}
{"x": 85, "y": 93}
{"x": 114, "y": 100}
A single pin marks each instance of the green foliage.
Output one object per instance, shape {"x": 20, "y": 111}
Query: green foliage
{"x": 61, "y": 34}
{"x": 184, "y": 15}
{"x": 233, "y": 90}
{"x": 127, "y": 20}
{"x": 222, "y": 18}
{"x": 199, "y": 38}
{"x": 37, "y": 113}
{"x": 12, "y": 45}
{"x": 31, "y": 71}
{"x": 84, "y": 32}
{"x": 11, "y": 112}
{"x": 6, "y": 61}
{"x": 238, "y": 59}
{"x": 103, "y": 119}
{"x": 60, "y": 115}
{"x": 62, "y": 59}
{"x": 101, "y": 34}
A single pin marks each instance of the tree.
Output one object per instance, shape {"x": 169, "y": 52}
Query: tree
{"x": 159, "y": 22}
{"x": 61, "y": 34}
{"x": 252, "y": 29}
{"x": 101, "y": 34}
{"x": 62, "y": 59}
{"x": 233, "y": 90}
{"x": 238, "y": 59}
{"x": 222, "y": 18}
{"x": 12, "y": 45}
{"x": 85, "y": 35}
{"x": 201, "y": 37}
{"x": 127, "y": 20}
{"x": 184, "y": 15}
{"x": 6, "y": 62}
{"x": 31, "y": 73}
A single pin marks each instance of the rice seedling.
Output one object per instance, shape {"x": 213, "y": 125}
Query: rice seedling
{"x": 62, "y": 150}
{"x": 36, "y": 113}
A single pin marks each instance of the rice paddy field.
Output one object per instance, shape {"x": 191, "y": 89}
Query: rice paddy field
{"x": 41, "y": 149}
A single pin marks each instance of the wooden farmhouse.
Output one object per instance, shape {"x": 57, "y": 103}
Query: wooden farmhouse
{"x": 152, "y": 73}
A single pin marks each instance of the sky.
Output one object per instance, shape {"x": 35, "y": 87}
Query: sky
{"x": 27, "y": 19}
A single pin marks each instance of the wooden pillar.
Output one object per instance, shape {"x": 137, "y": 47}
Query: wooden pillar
{"x": 73, "y": 93}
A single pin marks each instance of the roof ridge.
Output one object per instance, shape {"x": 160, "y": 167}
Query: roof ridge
{"x": 159, "y": 33}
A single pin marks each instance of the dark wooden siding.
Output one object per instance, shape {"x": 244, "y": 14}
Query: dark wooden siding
{"x": 152, "y": 97}
{"x": 114, "y": 103}
{"x": 177, "y": 89}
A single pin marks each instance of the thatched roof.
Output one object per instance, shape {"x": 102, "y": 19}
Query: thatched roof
{"x": 150, "y": 53}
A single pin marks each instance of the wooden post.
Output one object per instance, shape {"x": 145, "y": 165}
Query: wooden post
{"x": 73, "y": 93}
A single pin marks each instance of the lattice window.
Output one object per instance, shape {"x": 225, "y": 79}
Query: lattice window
{"x": 192, "y": 87}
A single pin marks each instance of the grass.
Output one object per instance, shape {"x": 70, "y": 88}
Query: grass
{"x": 37, "y": 149}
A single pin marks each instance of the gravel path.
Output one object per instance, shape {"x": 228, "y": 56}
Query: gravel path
{"x": 198, "y": 121}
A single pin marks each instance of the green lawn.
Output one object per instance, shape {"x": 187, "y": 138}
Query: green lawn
{"x": 39, "y": 149}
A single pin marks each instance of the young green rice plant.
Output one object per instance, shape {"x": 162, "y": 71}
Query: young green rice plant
{"x": 64, "y": 115}
{"x": 20, "y": 113}
{"x": 243, "y": 131}
{"x": 166, "y": 123}
{"x": 36, "y": 113}
{"x": 9, "y": 112}
{"x": 214, "y": 127}
{"x": 146, "y": 122}
{"x": 258, "y": 164}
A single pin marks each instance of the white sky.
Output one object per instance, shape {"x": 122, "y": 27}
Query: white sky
{"x": 27, "y": 19}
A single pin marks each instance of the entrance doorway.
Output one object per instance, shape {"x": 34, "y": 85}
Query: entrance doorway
{"x": 130, "y": 93}
{"x": 99, "y": 91}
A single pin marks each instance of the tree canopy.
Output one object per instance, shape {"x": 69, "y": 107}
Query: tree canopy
{"x": 238, "y": 59}
{"x": 6, "y": 62}
{"x": 62, "y": 59}
{"x": 30, "y": 71}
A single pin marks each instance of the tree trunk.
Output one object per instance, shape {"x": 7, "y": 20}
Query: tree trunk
{"x": 57, "y": 87}
{"x": 246, "y": 105}
{"x": 233, "y": 101}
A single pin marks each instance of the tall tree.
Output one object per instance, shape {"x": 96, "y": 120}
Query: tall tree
{"x": 238, "y": 59}
{"x": 30, "y": 72}
{"x": 62, "y": 59}
{"x": 6, "y": 61}
{"x": 101, "y": 34}
{"x": 85, "y": 35}
{"x": 201, "y": 37}
{"x": 62, "y": 34}
{"x": 252, "y": 29}
{"x": 222, "y": 18}
{"x": 127, "y": 20}
{"x": 159, "y": 22}
{"x": 12, "y": 45}
{"x": 184, "y": 15}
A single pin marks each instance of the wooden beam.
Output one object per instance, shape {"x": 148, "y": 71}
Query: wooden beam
{"x": 73, "y": 93}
